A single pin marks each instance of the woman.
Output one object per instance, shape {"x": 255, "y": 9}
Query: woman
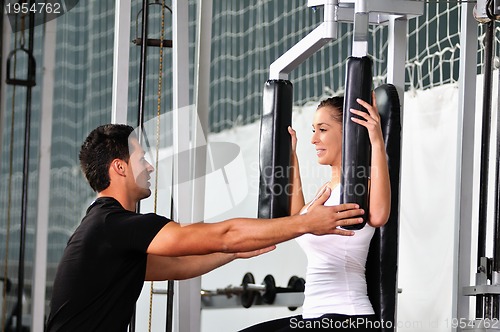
{"x": 335, "y": 293}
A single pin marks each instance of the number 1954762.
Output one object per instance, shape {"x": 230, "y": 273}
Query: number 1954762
{"x": 37, "y": 8}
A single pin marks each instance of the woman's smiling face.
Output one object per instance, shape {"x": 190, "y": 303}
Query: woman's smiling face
{"x": 327, "y": 137}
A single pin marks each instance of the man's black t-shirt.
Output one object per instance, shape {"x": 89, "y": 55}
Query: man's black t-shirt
{"x": 102, "y": 270}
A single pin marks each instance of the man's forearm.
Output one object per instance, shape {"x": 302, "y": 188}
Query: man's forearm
{"x": 250, "y": 234}
{"x": 186, "y": 267}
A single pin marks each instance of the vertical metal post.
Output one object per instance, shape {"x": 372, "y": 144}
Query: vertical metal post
{"x": 495, "y": 280}
{"x": 142, "y": 98}
{"x": 42, "y": 223}
{"x": 360, "y": 34}
{"x": 396, "y": 60}
{"x": 187, "y": 295}
{"x": 170, "y": 306}
{"x": 143, "y": 66}
{"x": 485, "y": 152}
{"x": 4, "y": 43}
{"x": 202, "y": 100}
{"x": 200, "y": 132}
{"x": 119, "y": 103}
{"x": 396, "y": 57}
{"x": 465, "y": 161}
{"x": 26, "y": 168}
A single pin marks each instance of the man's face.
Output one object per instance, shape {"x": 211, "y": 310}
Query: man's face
{"x": 141, "y": 170}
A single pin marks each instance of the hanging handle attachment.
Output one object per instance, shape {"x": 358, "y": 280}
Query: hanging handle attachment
{"x": 166, "y": 43}
{"x": 11, "y": 77}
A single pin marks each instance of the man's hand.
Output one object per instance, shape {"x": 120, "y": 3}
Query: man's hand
{"x": 325, "y": 219}
{"x": 253, "y": 253}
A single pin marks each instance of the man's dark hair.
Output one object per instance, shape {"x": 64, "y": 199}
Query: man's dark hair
{"x": 100, "y": 148}
{"x": 337, "y": 103}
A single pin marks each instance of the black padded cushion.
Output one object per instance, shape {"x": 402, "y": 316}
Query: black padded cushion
{"x": 356, "y": 147}
{"x": 275, "y": 146}
{"x": 382, "y": 262}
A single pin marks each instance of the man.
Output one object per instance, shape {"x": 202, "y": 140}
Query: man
{"x": 114, "y": 249}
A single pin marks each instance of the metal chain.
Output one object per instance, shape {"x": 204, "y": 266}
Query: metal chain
{"x": 157, "y": 152}
{"x": 150, "y": 318}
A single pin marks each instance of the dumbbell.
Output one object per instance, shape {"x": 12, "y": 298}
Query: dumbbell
{"x": 297, "y": 285}
{"x": 267, "y": 288}
{"x": 247, "y": 290}
{"x": 250, "y": 289}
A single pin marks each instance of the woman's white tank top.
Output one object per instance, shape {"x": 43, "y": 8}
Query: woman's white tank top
{"x": 335, "y": 277}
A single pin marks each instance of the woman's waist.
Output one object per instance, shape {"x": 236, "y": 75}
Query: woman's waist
{"x": 337, "y": 285}
{"x": 336, "y": 299}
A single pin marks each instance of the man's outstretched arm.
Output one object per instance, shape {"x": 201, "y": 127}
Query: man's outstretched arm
{"x": 185, "y": 267}
{"x": 247, "y": 234}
